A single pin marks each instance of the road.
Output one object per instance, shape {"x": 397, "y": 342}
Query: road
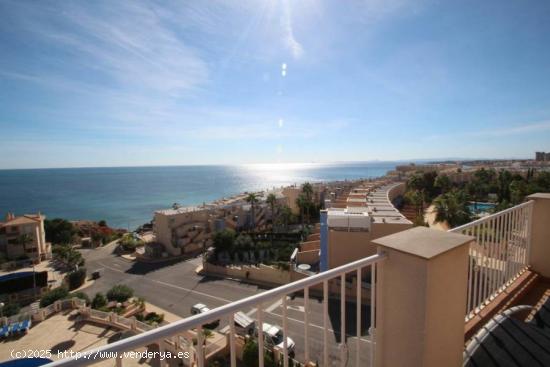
{"x": 176, "y": 287}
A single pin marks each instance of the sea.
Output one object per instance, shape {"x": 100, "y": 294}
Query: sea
{"x": 126, "y": 197}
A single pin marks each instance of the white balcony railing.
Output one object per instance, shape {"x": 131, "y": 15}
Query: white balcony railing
{"x": 499, "y": 254}
{"x": 168, "y": 333}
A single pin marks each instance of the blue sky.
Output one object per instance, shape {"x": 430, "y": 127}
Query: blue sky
{"x": 111, "y": 83}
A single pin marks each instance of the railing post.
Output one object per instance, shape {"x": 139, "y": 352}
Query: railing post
{"x": 421, "y": 298}
{"x": 162, "y": 350}
{"x": 539, "y": 252}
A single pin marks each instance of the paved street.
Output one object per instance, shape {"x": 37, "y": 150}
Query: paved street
{"x": 176, "y": 288}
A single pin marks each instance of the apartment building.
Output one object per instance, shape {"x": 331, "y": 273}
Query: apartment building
{"x": 12, "y": 231}
{"x": 189, "y": 230}
{"x": 349, "y": 226}
{"x": 182, "y": 230}
{"x": 291, "y": 194}
{"x": 352, "y": 219}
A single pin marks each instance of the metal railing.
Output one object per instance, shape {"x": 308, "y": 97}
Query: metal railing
{"x": 499, "y": 254}
{"x": 158, "y": 335}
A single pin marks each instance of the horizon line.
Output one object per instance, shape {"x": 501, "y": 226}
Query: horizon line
{"x": 413, "y": 160}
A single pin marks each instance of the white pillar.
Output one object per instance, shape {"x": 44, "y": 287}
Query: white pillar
{"x": 421, "y": 298}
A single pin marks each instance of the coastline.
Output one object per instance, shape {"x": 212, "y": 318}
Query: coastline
{"x": 128, "y": 197}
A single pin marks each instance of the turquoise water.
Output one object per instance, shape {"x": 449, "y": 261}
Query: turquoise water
{"x": 127, "y": 196}
{"x": 481, "y": 207}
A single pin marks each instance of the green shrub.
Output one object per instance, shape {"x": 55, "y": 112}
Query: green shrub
{"x": 10, "y": 309}
{"x": 120, "y": 293}
{"x": 99, "y": 301}
{"x": 76, "y": 278}
{"x": 53, "y": 295}
{"x": 59, "y": 231}
{"x": 153, "y": 318}
{"x": 250, "y": 355}
{"x": 218, "y": 362}
{"x": 129, "y": 243}
{"x": 224, "y": 241}
{"x": 68, "y": 256}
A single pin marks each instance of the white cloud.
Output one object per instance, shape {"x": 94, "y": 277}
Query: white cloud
{"x": 288, "y": 32}
{"x": 124, "y": 46}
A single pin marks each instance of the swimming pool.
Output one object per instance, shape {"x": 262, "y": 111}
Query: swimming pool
{"x": 477, "y": 207}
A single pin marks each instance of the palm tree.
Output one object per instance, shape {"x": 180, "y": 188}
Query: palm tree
{"x": 307, "y": 189}
{"x": 307, "y": 201}
{"x": 302, "y": 203}
{"x": 24, "y": 240}
{"x": 416, "y": 198}
{"x": 452, "y": 208}
{"x": 272, "y": 200}
{"x": 252, "y": 199}
{"x": 285, "y": 215}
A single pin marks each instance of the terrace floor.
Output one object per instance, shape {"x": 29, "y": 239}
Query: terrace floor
{"x": 523, "y": 339}
{"x": 64, "y": 332}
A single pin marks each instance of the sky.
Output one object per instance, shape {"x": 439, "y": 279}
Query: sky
{"x": 130, "y": 83}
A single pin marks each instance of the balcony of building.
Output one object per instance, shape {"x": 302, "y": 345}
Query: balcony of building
{"x": 429, "y": 293}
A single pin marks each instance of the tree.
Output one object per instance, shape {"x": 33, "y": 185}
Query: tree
{"x": 59, "y": 231}
{"x": 443, "y": 183}
{"x": 252, "y": 199}
{"x": 224, "y": 241}
{"x": 10, "y": 309}
{"x": 430, "y": 191}
{"x": 129, "y": 243}
{"x": 285, "y": 215}
{"x": 452, "y": 208}
{"x": 99, "y": 301}
{"x": 307, "y": 189}
{"x": 416, "y": 182}
{"x": 68, "y": 256}
{"x": 120, "y": 293}
{"x": 251, "y": 355}
{"x": 302, "y": 203}
{"x": 53, "y": 295}
{"x": 76, "y": 278}
{"x": 503, "y": 182}
{"x": 243, "y": 242}
{"x": 518, "y": 191}
{"x": 416, "y": 198}
{"x": 306, "y": 200}
{"x": 272, "y": 201}
{"x": 102, "y": 223}
{"x": 483, "y": 182}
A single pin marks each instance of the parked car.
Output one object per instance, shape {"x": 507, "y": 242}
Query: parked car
{"x": 274, "y": 338}
{"x": 200, "y": 308}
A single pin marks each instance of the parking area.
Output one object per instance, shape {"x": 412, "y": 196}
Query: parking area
{"x": 176, "y": 288}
